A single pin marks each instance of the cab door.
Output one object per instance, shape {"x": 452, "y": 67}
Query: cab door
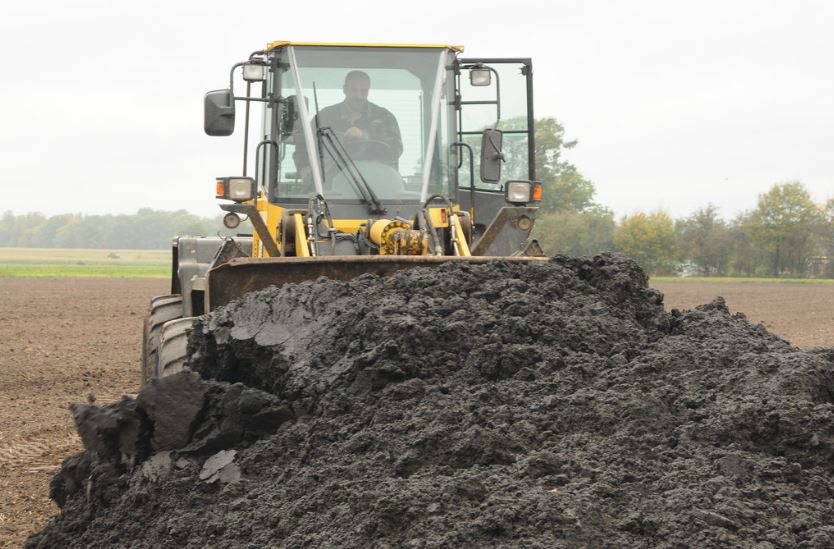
{"x": 506, "y": 103}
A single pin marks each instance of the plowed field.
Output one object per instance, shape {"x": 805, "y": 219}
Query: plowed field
{"x": 67, "y": 340}
{"x": 800, "y": 313}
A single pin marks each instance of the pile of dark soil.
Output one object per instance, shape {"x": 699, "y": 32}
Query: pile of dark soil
{"x": 507, "y": 405}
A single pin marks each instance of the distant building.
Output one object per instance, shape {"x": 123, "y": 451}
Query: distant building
{"x": 819, "y": 265}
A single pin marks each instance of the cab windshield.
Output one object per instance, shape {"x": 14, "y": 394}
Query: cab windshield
{"x": 360, "y": 120}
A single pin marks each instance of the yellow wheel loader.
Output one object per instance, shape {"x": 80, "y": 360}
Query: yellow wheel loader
{"x": 370, "y": 158}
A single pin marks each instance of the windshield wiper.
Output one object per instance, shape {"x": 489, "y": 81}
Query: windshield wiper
{"x": 345, "y": 163}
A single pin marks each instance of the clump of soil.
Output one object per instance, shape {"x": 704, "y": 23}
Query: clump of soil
{"x": 553, "y": 404}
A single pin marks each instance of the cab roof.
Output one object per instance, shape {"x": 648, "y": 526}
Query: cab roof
{"x": 281, "y": 43}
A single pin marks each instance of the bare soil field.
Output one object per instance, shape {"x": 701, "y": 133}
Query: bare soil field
{"x": 802, "y": 314}
{"x": 62, "y": 340}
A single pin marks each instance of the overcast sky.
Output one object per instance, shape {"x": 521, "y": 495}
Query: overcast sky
{"x": 675, "y": 103}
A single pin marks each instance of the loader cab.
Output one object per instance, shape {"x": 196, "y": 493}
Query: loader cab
{"x": 378, "y": 130}
{"x": 424, "y": 115}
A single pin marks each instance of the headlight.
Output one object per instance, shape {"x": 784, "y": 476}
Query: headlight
{"x": 231, "y": 220}
{"x": 524, "y": 223}
{"x": 239, "y": 189}
{"x": 518, "y": 191}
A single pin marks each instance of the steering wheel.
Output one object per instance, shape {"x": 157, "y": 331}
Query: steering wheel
{"x": 370, "y": 149}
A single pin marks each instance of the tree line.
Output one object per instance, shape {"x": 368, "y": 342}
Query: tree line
{"x": 146, "y": 229}
{"x": 787, "y": 234}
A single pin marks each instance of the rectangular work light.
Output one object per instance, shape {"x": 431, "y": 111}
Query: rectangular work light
{"x": 239, "y": 189}
{"x": 522, "y": 192}
{"x": 254, "y": 72}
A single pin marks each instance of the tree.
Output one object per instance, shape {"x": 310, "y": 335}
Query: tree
{"x": 564, "y": 188}
{"x": 576, "y": 233}
{"x": 744, "y": 258}
{"x": 7, "y": 229}
{"x": 550, "y": 144}
{"x": 785, "y": 228}
{"x": 568, "y": 192}
{"x": 26, "y": 228}
{"x": 49, "y": 230}
{"x": 705, "y": 239}
{"x": 828, "y": 237}
{"x": 650, "y": 240}
{"x": 569, "y": 222}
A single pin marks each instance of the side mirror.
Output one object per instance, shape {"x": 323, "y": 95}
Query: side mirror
{"x": 491, "y": 156}
{"x": 219, "y": 113}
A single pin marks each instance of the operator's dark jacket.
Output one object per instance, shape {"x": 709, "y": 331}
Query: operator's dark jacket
{"x": 377, "y": 122}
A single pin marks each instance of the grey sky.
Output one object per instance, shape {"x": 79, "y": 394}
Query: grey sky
{"x": 675, "y": 104}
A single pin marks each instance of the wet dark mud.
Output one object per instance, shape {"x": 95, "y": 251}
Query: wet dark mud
{"x": 545, "y": 405}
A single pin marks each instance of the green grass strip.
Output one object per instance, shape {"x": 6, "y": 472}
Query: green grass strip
{"x": 738, "y": 279}
{"x": 83, "y": 271}
{"x": 83, "y": 263}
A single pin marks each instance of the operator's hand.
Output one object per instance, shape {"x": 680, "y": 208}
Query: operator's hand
{"x": 355, "y": 133}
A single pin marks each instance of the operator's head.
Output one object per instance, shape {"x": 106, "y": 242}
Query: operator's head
{"x": 357, "y": 84}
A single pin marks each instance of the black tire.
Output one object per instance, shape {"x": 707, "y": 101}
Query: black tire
{"x": 173, "y": 342}
{"x": 162, "y": 309}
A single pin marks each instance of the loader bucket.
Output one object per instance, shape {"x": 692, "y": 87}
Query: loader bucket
{"x": 239, "y": 276}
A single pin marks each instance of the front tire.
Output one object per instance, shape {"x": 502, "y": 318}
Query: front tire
{"x": 162, "y": 309}
{"x": 173, "y": 344}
